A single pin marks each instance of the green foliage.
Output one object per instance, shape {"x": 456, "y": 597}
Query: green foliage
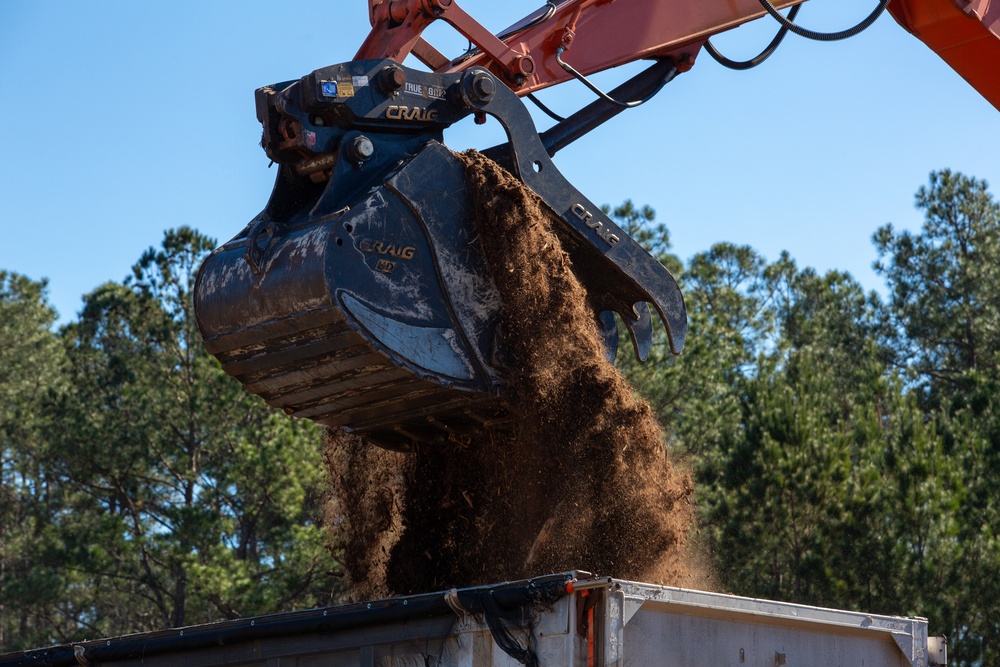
{"x": 31, "y": 370}
{"x": 175, "y": 497}
{"x": 847, "y": 450}
{"x": 943, "y": 330}
{"x": 944, "y": 284}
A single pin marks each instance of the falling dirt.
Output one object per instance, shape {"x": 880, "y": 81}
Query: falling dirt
{"x": 580, "y": 481}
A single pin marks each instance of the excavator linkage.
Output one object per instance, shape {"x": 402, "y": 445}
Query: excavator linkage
{"x": 359, "y": 297}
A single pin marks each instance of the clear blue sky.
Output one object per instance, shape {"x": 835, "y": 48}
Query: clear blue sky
{"x": 122, "y": 119}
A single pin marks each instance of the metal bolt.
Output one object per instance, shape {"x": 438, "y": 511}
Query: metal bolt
{"x": 392, "y": 79}
{"x": 361, "y": 149}
{"x": 484, "y": 86}
{"x": 525, "y": 65}
{"x": 478, "y": 87}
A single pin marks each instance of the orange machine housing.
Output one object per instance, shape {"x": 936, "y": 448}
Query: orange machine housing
{"x": 965, "y": 33}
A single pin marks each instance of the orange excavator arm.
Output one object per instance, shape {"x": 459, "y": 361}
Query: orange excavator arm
{"x": 964, "y": 33}
{"x": 589, "y": 35}
{"x": 593, "y": 35}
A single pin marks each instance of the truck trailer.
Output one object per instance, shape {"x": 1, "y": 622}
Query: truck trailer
{"x": 572, "y": 619}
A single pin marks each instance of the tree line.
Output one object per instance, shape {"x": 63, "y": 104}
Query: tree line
{"x": 845, "y": 445}
{"x": 142, "y": 488}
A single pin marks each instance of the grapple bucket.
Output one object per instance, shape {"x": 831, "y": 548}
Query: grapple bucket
{"x": 359, "y": 297}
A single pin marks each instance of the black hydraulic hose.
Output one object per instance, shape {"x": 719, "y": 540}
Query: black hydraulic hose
{"x": 825, "y": 36}
{"x": 760, "y": 57}
{"x": 541, "y": 105}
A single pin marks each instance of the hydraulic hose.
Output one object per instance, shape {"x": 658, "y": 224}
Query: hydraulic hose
{"x": 541, "y": 105}
{"x": 825, "y": 36}
{"x": 760, "y": 57}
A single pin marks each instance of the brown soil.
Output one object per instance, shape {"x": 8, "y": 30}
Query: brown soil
{"x": 364, "y": 509}
{"x": 580, "y": 481}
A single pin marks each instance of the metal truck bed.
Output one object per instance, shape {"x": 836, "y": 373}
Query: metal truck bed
{"x": 569, "y": 620}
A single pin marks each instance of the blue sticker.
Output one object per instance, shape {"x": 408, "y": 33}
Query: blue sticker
{"x": 329, "y": 88}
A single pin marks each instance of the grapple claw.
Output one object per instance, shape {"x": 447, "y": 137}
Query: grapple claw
{"x": 608, "y": 328}
{"x": 641, "y": 331}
